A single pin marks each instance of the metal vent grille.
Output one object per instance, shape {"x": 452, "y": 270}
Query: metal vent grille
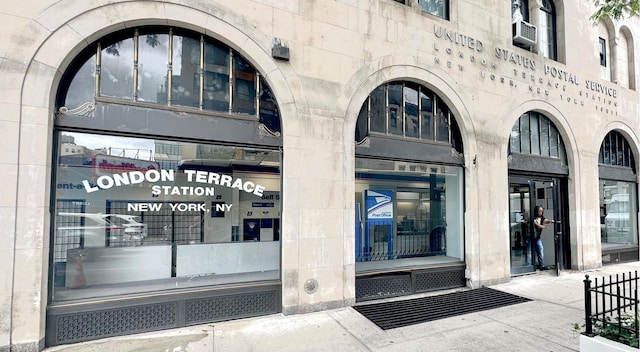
{"x": 210, "y": 309}
{"x": 383, "y": 286}
{"x": 112, "y": 322}
{"x": 438, "y": 280}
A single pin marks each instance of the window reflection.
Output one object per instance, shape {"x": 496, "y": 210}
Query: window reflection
{"x": 244, "y": 95}
{"x": 411, "y": 111}
{"x": 153, "y": 54}
{"x": 215, "y": 93}
{"x": 618, "y": 224}
{"x": 82, "y": 88}
{"x": 197, "y": 76}
{"x": 171, "y": 214}
{"x": 185, "y": 81}
{"x": 116, "y": 72}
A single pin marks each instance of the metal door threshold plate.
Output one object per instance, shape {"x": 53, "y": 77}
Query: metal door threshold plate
{"x": 396, "y": 314}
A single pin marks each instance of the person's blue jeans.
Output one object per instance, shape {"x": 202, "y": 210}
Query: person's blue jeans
{"x": 539, "y": 252}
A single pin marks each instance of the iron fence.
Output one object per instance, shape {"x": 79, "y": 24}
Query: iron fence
{"x": 611, "y": 306}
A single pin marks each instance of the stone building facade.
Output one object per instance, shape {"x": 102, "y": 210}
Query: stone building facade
{"x": 184, "y": 162}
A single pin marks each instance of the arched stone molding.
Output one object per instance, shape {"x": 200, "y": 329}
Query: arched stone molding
{"x": 55, "y": 37}
{"x": 628, "y": 133}
{"x": 626, "y": 32}
{"x": 579, "y": 218}
{"x": 606, "y": 25}
{"x": 386, "y": 69}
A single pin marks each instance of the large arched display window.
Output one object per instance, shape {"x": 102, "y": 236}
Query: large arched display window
{"x": 409, "y": 188}
{"x": 167, "y": 180}
{"x": 618, "y": 200}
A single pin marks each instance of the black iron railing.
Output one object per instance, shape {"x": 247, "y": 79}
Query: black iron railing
{"x": 611, "y": 307}
{"x": 378, "y": 240}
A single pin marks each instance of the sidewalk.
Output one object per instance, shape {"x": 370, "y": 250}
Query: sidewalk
{"x": 543, "y": 324}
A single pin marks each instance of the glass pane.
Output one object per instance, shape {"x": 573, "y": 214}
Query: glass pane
{"x": 185, "y": 82}
{"x": 534, "y": 134}
{"x": 520, "y": 228}
{"x": 412, "y": 128}
{"x": 269, "y": 114}
{"x": 244, "y": 87}
{"x": 544, "y": 136}
{"x": 421, "y": 221}
{"x": 515, "y": 137}
{"x": 426, "y": 110}
{"x": 442, "y": 121}
{"x": 607, "y": 149}
{"x": 436, "y": 7}
{"x": 546, "y": 34}
{"x": 553, "y": 141}
{"x": 152, "y": 67}
{"x": 361, "y": 124}
{"x": 116, "y": 73}
{"x": 215, "y": 214}
{"x": 395, "y": 109}
{"x": 627, "y": 153}
{"x": 620, "y": 149}
{"x": 618, "y": 214}
{"x": 215, "y": 93}
{"x": 82, "y": 87}
{"x": 525, "y": 140}
{"x": 378, "y": 110}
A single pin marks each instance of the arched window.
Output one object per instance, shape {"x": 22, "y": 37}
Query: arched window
{"x": 547, "y": 27}
{"x": 535, "y": 134}
{"x": 409, "y": 188}
{"x": 618, "y": 200}
{"x": 626, "y": 59}
{"x": 181, "y": 157}
{"x": 168, "y": 67}
{"x": 410, "y": 111}
{"x": 615, "y": 151}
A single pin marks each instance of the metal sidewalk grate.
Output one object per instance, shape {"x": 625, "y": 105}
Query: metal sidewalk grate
{"x": 396, "y": 314}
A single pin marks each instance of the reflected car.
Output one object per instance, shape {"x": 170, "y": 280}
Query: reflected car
{"x": 134, "y": 228}
{"x": 86, "y": 230}
{"x": 616, "y": 222}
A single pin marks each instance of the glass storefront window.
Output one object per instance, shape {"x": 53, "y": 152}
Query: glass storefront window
{"x": 137, "y": 215}
{"x": 618, "y": 213}
{"x": 407, "y": 213}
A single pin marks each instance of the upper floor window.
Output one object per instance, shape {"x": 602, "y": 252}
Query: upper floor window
{"x": 602, "y": 49}
{"x": 408, "y": 110}
{"x": 547, "y": 29}
{"x": 523, "y": 7}
{"x": 438, "y": 8}
{"x": 164, "y": 66}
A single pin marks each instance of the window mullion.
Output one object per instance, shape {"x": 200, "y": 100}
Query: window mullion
{"x": 257, "y": 88}
{"x": 201, "y": 78}
{"x": 231, "y": 78}
{"x": 98, "y": 68}
{"x": 135, "y": 64}
{"x": 386, "y": 108}
{"x": 169, "y": 67}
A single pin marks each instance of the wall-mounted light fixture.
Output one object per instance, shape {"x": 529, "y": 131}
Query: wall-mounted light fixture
{"x": 280, "y": 50}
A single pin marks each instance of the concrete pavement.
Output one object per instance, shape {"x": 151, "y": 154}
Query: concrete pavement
{"x": 543, "y": 324}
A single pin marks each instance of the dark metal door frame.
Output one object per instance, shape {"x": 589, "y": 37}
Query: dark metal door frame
{"x": 559, "y": 211}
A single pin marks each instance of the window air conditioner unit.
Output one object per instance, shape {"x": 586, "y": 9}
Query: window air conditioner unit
{"x": 524, "y": 33}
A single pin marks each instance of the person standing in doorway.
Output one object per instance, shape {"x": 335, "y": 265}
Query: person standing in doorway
{"x": 540, "y": 223}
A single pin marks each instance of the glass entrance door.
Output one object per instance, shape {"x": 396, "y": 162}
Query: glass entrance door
{"x": 520, "y": 228}
{"x": 526, "y": 195}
